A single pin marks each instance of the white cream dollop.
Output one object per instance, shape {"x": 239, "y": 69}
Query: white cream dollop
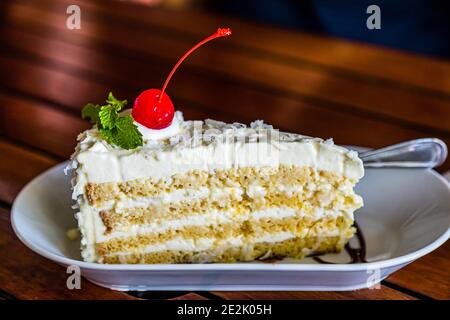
{"x": 160, "y": 134}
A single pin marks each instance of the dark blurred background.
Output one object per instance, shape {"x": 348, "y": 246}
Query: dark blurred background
{"x": 420, "y": 26}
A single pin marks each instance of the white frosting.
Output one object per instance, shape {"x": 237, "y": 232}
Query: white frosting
{"x": 160, "y": 134}
{"x": 182, "y": 244}
{"x": 209, "y": 145}
{"x": 276, "y": 237}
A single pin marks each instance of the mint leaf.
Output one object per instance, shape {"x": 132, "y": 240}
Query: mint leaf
{"x": 109, "y": 113}
{"x": 113, "y": 127}
{"x": 107, "y": 134}
{"x": 116, "y": 104}
{"x": 91, "y": 111}
{"x": 108, "y": 116}
{"x": 126, "y": 134}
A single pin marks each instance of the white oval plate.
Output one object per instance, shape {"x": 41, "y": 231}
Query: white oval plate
{"x": 406, "y": 215}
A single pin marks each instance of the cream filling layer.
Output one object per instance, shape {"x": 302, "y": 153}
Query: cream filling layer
{"x": 211, "y": 219}
{"x": 215, "y": 194}
{"x": 222, "y": 195}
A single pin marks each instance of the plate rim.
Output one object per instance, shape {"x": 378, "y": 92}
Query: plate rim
{"x": 392, "y": 262}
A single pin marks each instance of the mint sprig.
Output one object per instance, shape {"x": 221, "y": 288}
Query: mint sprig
{"x": 114, "y": 128}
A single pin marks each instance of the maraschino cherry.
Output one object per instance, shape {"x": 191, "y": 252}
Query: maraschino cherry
{"x": 153, "y": 107}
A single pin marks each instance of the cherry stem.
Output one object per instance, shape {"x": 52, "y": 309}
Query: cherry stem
{"x": 221, "y": 32}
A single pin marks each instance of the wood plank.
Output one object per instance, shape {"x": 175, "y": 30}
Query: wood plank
{"x": 66, "y": 90}
{"x": 63, "y": 89}
{"x": 430, "y": 275}
{"x": 373, "y": 294}
{"x": 40, "y": 126}
{"x": 324, "y": 51}
{"x": 266, "y": 74}
{"x": 18, "y": 167}
{"x": 26, "y": 275}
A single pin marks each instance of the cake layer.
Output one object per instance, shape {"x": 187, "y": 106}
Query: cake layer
{"x": 217, "y": 183}
{"x": 295, "y": 247}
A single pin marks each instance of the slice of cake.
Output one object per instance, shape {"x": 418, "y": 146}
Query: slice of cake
{"x": 153, "y": 188}
{"x": 213, "y": 192}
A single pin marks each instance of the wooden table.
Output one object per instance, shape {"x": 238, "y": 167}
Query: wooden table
{"x": 358, "y": 94}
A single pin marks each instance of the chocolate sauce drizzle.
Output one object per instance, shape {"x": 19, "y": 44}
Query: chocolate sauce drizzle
{"x": 357, "y": 255}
